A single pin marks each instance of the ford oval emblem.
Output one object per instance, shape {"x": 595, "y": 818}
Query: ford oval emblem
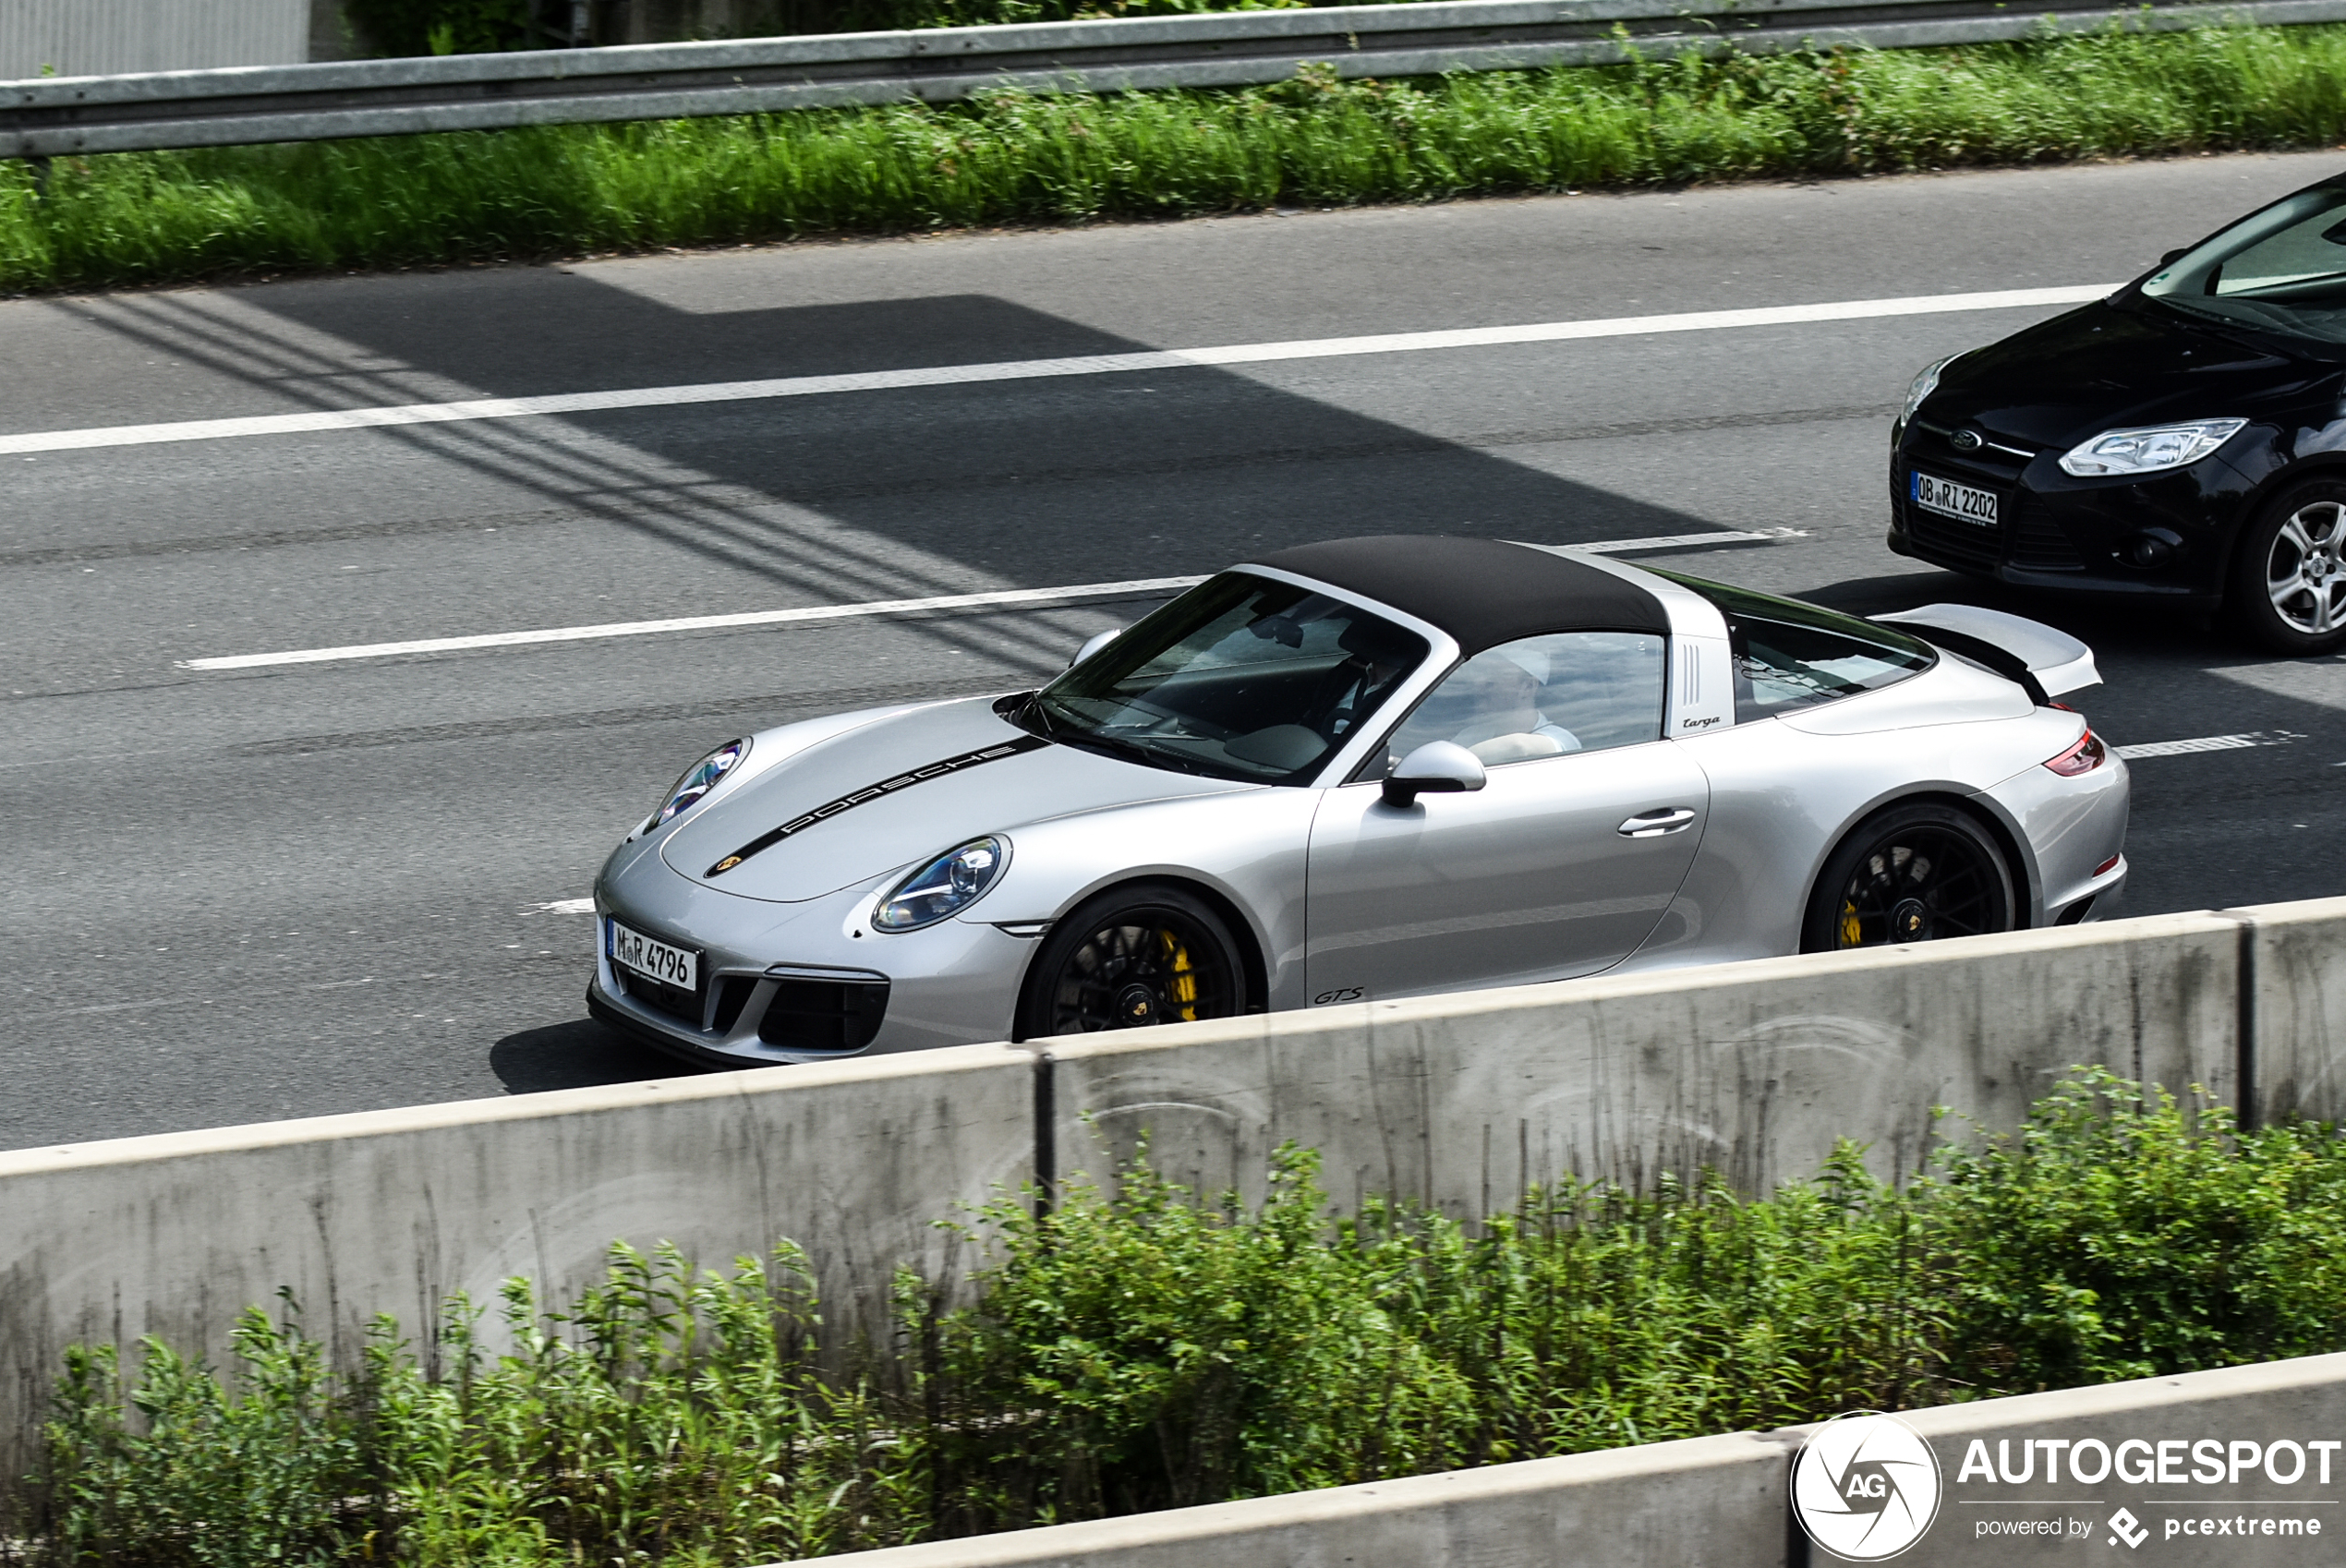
{"x": 1965, "y": 441}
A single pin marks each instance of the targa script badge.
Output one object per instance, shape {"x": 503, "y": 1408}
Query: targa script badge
{"x": 1864, "y": 1487}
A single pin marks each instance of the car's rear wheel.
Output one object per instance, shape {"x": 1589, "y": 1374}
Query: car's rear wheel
{"x": 1147, "y": 954}
{"x": 2289, "y": 575}
{"x": 1912, "y": 872}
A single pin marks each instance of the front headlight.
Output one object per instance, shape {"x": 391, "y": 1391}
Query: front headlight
{"x": 698, "y": 781}
{"x": 945, "y": 886}
{"x": 2149, "y": 451}
{"x": 1926, "y": 382}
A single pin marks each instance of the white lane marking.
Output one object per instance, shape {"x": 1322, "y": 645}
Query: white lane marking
{"x": 1004, "y": 597}
{"x": 2207, "y": 743}
{"x": 1680, "y": 541}
{"x": 1030, "y": 369}
{"x": 1001, "y": 598}
{"x": 565, "y": 906}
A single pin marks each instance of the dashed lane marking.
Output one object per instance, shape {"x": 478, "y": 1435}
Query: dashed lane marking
{"x": 1006, "y": 599}
{"x": 2207, "y": 743}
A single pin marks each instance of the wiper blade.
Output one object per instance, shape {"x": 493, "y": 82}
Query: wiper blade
{"x": 2261, "y": 336}
{"x": 1033, "y": 715}
{"x": 1112, "y": 745}
{"x": 1127, "y": 750}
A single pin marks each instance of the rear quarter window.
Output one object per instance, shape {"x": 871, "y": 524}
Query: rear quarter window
{"x": 1789, "y": 655}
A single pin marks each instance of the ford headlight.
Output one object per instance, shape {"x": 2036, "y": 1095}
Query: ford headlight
{"x": 945, "y": 886}
{"x": 1926, "y": 382}
{"x": 698, "y": 781}
{"x": 2149, "y": 451}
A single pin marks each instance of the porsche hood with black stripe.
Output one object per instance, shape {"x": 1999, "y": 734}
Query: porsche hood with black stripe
{"x": 889, "y": 826}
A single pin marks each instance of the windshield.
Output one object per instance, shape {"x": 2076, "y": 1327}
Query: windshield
{"x": 1239, "y": 678}
{"x": 2281, "y": 270}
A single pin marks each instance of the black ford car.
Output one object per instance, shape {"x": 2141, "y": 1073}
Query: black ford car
{"x": 2183, "y": 439}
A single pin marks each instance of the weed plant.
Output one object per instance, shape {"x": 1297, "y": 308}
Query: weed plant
{"x": 1012, "y": 157}
{"x": 1138, "y": 1346}
{"x": 665, "y": 1417}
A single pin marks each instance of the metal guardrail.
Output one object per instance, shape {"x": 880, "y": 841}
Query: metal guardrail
{"x": 54, "y": 116}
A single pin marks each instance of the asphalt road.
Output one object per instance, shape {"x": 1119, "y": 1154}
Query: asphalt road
{"x": 239, "y": 895}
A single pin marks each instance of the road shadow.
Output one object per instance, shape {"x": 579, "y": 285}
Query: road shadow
{"x": 578, "y": 1054}
{"x": 1049, "y": 479}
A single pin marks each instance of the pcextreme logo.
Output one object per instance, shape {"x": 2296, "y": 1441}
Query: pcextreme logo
{"x": 1864, "y": 1487}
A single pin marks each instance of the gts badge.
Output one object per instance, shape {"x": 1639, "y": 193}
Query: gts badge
{"x": 1330, "y": 998}
{"x": 1698, "y": 723}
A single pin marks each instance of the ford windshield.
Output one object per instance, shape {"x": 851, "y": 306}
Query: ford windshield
{"x": 2281, "y": 270}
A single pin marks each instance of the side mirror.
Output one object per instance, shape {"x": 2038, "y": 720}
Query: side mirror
{"x": 1438, "y": 768}
{"x": 1092, "y": 644}
{"x": 2173, "y": 257}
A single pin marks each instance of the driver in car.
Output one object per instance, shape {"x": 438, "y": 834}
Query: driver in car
{"x": 1490, "y": 705}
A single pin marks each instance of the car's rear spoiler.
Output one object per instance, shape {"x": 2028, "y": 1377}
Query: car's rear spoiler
{"x": 2047, "y": 662}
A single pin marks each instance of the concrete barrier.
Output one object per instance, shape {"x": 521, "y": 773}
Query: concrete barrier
{"x": 391, "y": 1211}
{"x": 1668, "y": 1506}
{"x": 1754, "y": 1068}
{"x": 2298, "y": 1006}
{"x": 1724, "y": 1501}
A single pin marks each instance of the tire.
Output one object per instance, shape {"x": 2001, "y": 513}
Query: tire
{"x": 2288, "y": 588}
{"x": 1146, "y": 954}
{"x": 1913, "y": 873}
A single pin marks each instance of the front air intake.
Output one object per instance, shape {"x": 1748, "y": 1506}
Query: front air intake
{"x": 823, "y": 1015}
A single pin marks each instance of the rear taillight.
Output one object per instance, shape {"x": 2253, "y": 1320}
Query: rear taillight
{"x": 2084, "y": 757}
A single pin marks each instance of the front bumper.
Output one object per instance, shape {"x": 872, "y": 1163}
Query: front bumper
{"x": 807, "y": 982}
{"x": 737, "y": 1020}
{"x": 2168, "y": 536}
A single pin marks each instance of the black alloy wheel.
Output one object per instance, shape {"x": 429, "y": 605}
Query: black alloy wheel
{"x": 1137, "y": 955}
{"x": 2289, "y": 573}
{"x": 1910, "y": 874}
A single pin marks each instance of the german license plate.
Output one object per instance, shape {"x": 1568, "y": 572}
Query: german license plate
{"x": 639, "y": 954}
{"x": 1966, "y": 504}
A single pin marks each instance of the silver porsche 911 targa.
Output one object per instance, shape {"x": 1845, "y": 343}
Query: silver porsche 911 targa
{"x": 1370, "y": 769}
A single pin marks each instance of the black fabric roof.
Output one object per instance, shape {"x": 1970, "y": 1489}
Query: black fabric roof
{"x": 1482, "y": 592}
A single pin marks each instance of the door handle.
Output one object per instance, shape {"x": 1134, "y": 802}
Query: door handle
{"x": 1655, "y": 822}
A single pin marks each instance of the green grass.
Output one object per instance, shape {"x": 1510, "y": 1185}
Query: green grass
{"x": 137, "y": 218}
{"x": 1143, "y": 1348}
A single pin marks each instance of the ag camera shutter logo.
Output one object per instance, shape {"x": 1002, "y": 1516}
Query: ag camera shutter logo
{"x": 1864, "y": 1487}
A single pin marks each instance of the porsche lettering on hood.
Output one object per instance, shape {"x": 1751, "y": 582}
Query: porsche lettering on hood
{"x": 907, "y": 784}
{"x": 887, "y": 787}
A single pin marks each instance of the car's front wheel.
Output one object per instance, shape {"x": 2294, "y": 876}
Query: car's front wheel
{"x": 1911, "y": 873}
{"x": 1147, "y": 954}
{"x": 2289, "y": 575}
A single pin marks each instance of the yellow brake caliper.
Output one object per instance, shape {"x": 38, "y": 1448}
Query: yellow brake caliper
{"x": 1183, "y": 993}
{"x": 1852, "y": 933}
